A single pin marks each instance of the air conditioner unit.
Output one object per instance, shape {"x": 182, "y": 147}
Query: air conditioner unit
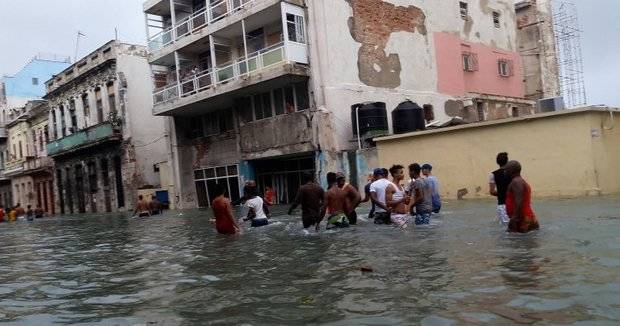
{"x": 551, "y": 104}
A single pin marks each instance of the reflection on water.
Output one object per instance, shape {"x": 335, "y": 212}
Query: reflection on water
{"x": 176, "y": 270}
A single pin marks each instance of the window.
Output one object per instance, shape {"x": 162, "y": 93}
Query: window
{"x": 289, "y": 99}
{"x": 74, "y": 126}
{"x": 267, "y": 109}
{"x": 429, "y": 113}
{"x": 496, "y": 22}
{"x": 504, "y": 68}
{"x": 211, "y": 124}
{"x": 515, "y": 112}
{"x": 35, "y": 81}
{"x": 301, "y": 95}
{"x": 99, "y": 105}
{"x": 295, "y": 28}
{"x": 278, "y": 101}
{"x": 111, "y": 97}
{"x": 63, "y": 124}
{"x": 226, "y": 120}
{"x": 21, "y": 153}
{"x": 207, "y": 179}
{"x": 464, "y": 10}
{"x": 54, "y": 125}
{"x": 85, "y": 105}
{"x": 244, "y": 109}
{"x": 470, "y": 61}
{"x": 258, "y": 107}
{"x": 480, "y": 109}
{"x": 92, "y": 177}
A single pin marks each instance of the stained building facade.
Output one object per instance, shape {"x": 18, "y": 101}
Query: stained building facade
{"x": 262, "y": 89}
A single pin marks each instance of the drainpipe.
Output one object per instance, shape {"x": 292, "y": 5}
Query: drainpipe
{"x": 357, "y": 122}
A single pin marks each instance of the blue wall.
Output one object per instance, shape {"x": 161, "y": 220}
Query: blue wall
{"x": 20, "y": 85}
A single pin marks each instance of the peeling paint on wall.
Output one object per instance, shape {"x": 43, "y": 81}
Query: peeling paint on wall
{"x": 373, "y": 30}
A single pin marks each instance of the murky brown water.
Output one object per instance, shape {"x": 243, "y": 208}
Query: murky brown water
{"x": 177, "y": 270}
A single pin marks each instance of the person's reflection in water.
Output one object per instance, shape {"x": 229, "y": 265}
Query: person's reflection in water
{"x": 522, "y": 264}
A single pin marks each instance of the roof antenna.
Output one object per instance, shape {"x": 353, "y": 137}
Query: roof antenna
{"x": 77, "y": 44}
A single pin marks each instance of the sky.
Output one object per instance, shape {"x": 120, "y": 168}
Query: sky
{"x": 32, "y": 26}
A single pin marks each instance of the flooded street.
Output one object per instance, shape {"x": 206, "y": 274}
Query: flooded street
{"x": 176, "y": 270}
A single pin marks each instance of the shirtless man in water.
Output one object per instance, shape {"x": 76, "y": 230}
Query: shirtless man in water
{"x": 310, "y": 196}
{"x": 335, "y": 204}
{"x": 396, "y": 198}
{"x": 353, "y": 197}
{"x": 142, "y": 208}
{"x": 519, "y": 201}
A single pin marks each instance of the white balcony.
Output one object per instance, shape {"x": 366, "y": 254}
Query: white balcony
{"x": 213, "y": 12}
{"x": 229, "y": 72}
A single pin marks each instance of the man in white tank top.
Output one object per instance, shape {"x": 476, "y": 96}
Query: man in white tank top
{"x": 396, "y": 198}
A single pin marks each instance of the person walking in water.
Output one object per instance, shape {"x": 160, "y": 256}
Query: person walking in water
{"x": 498, "y": 185}
{"x": 336, "y": 204}
{"x": 396, "y": 199}
{"x": 352, "y": 196}
{"x": 427, "y": 172}
{"x": 422, "y": 193}
{"x": 310, "y": 196}
{"x": 519, "y": 201}
{"x": 377, "y": 193}
{"x": 255, "y": 205}
{"x": 371, "y": 179}
{"x": 225, "y": 222}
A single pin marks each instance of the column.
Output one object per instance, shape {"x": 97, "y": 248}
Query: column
{"x": 213, "y": 61}
{"x": 105, "y": 102}
{"x": 67, "y": 117}
{"x": 58, "y": 125}
{"x": 92, "y": 102}
{"x": 173, "y": 16}
{"x": 50, "y": 124}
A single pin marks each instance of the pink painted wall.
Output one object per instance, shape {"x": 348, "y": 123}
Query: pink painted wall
{"x": 454, "y": 81}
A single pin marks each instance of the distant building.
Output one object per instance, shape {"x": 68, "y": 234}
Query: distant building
{"x": 104, "y": 141}
{"x": 263, "y": 89}
{"x": 16, "y": 91}
{"x": 536, "y": 43}
{"x": 28, "y": 166}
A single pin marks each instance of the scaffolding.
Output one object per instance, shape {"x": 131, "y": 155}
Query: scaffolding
{"x": 570, "y": 59}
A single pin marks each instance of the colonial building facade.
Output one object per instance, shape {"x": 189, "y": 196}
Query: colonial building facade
{"x": 104, "y": 141}
{"x": 28, "y": 167}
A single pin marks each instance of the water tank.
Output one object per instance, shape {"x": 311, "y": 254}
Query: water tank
{"x": 408, "y": 117}
{"x": 373, "y": 119}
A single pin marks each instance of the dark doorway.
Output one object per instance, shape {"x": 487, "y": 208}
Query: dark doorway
{"x": 105, "y": 176}
{"x": 118, "y": 173}
{"x": 283, "y": 176}
{"x": 79, "y": 188}
{"x": 61, "y": 197}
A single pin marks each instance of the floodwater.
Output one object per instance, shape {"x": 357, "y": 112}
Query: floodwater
{"x": 463, "y": 269}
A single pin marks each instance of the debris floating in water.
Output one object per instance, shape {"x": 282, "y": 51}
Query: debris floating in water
{"x": 366, "y": 269}
{"x": 211, "y": 278}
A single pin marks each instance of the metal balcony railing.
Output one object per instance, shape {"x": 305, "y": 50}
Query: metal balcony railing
{"x": 227, "y": 72}
{"x": 82, "y": 138}
{"x": 187, "y": 26}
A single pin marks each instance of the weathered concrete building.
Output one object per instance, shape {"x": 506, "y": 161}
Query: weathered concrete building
{"x": 28, "y": 167}
{"x": 263, "y": 89}
{"x": 104, "y": 141}
{"x": 536, "y": 43}
{"x": 15, "y": 92}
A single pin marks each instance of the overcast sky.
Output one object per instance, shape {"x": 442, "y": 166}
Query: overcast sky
{"x": 32, "y": 26}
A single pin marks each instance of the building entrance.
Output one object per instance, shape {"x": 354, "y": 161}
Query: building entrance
{"x": 282, "y": 177}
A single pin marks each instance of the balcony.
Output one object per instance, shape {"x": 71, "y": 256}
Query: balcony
{"x": 189, "y": 25}
{"x": 261, "y": 48}
{"x": 85, "y": 138}
{"x": 3, "y": 131}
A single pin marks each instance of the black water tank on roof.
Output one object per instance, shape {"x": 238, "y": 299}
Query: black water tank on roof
{"x": 408, "y": 117}
{"x": 373, "y": 119}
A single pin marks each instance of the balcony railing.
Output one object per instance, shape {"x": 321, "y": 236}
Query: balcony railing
{"x": 192, "y": 24}
{"x": 204, "y": 80}
{"x": 82, "y": 138}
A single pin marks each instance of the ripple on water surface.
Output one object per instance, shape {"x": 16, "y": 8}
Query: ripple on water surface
{"x": 176, "y": 270}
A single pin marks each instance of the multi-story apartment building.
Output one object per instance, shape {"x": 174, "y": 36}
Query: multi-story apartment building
{"x": 263, "y": 89}
{"x": 104, "y": 141}
{"x": 15, "y": 92}
{"x": 28, "y": 167}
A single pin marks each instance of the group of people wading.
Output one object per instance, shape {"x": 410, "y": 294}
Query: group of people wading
{"x": 393, "y": 201}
